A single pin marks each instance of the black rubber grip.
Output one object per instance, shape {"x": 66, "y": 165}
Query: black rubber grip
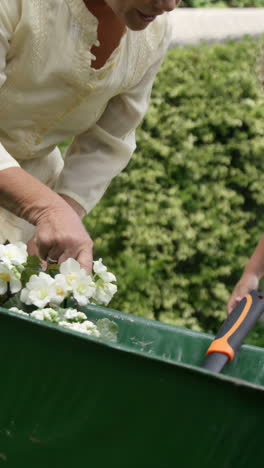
{"x": 215, "y": 362}
{"x": 234, "y": 330}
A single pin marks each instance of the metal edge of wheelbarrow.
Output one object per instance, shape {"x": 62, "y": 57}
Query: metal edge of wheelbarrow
{"x": 123, "y": 348}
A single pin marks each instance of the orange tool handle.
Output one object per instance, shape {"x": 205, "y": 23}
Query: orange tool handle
{"x": 234, "y": 330}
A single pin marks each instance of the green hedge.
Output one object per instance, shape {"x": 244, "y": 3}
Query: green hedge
{"x": 177, "y": 226}
{"x": 221, "y": 3}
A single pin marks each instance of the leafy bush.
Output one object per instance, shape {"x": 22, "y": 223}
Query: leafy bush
{"x": 221, "y": 3}
{"x": 177, "y": 226}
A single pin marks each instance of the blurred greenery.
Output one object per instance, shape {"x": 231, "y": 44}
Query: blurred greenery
{"x": 177, "y": 226}
{"x": 256, "y": 336}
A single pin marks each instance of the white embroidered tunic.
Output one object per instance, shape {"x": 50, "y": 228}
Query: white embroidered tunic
{"x": 49, "y": 92}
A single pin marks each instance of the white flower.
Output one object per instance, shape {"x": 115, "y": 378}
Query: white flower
{"x": 48, "y": 314}
{"x": 37, "y": 290}
{"x": 74, "y": 315}
{"x": 86, "y": 327}
{"x": 104, "y": 292}
{"x": 100, "y": 269}
{"x": 38, "y": 314}
{"x": 15, "y": 309}
{"x": 72, "y": 271}
{"x": 79, "y": 282}
{"x": 91, "y": 328}
{"x": 83, "y": 289}
{"x": 14, "y": 254}
{"x": 7, "y": 275}
{"x": 59, "y": 289}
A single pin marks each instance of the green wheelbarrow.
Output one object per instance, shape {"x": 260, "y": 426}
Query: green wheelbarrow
{"x": 70, "y": 400}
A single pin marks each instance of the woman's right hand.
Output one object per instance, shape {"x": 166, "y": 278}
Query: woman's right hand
{"x": 247, "y": 283}
{"x": 59, "y": 232}
{"x": 59, "y": 235}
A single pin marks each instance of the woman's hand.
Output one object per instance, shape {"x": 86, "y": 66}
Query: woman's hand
{"x": 59, "y": 232}
{"x": 60, "y": 235}
{"x": 247, "y": 282}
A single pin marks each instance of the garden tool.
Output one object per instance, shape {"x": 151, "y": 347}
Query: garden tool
{"x": 234, "y": 330}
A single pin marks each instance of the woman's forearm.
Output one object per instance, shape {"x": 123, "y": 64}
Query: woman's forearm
{"x": 26, "y": 196}
{"x": 256, "y": 262}
{"x": 249, "y": 280}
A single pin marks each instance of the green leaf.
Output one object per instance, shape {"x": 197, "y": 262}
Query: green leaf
{"x": 26, "y": 275}
{"x": 14, "y": 301}
{"x": 33, "y": 262}
{"x": 52, "y": 270}
{"x": 31, "y": 267}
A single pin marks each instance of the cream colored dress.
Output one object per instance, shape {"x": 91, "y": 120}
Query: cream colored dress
{"x": 50, "y": 92}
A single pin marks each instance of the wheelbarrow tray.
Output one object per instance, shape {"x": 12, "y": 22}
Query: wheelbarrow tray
{"x": 69, "y": 400}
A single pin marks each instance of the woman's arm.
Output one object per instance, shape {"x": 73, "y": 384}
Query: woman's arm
{"x": 59, "y": 233}
{"x": 249, "y": 280}
{"x": 97, "y": 156}
{"x": 74, "y": 205}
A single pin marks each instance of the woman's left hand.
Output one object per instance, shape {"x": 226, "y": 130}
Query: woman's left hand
{"x": 247, "y": 283}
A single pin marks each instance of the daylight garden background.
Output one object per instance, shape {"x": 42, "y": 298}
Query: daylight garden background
{"x": 177, "y": 226}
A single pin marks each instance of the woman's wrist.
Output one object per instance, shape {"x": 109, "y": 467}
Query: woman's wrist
{"x": 255, "y": 265}
{"x": 251, "y": 273}
{"x": 74, "y": 205}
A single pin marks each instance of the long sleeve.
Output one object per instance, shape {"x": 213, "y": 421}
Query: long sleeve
{"x": 98, "y": 155}
{"x": 9, "y": 15}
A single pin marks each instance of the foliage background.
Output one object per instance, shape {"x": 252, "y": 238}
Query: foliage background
{"x": 177, "y": 226}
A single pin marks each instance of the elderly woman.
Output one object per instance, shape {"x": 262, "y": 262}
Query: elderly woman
{"x": 82, "y": 69}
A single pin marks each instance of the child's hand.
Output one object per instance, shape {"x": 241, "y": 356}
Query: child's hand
{"x": 245, "y": 285}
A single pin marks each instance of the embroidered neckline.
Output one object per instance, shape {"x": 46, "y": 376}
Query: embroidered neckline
{"x": 89, "y": 24}
{"x": 83, "y": 15}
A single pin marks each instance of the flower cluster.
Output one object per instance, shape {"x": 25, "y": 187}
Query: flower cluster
{"x": 23, "y": 282}
{"x": 74, "y": 320}
{"x": 72, "y": 281}
{"x": 13, "y": 257}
